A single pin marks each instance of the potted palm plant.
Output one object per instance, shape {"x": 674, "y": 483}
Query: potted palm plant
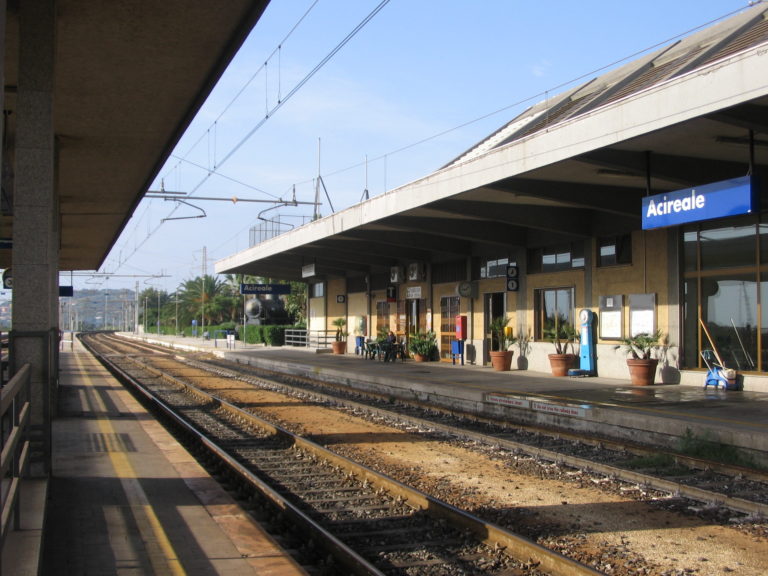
{"x": 339, "y": 345}
{"x": 641, "y": 362}
{"x": 524, "y": 345}
{"x": 501, "y": 340}
{"x": 563, "y": 335}
{"x": 423, "y": 345}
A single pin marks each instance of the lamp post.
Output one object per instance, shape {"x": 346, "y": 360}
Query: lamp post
{"x": 202, "y": 286}
{"x": 136, "y": 309}
{"x": 202, "y": 312}
{"x": 158, "y": 312}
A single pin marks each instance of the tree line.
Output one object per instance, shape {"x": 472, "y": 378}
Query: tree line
{"x": 210, "y": 301}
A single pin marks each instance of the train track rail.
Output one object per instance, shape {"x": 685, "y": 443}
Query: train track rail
{"x": 708, "y": 483}
{"x": 367, "y": 522}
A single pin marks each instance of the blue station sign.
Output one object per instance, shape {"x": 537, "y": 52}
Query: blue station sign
{"x": 269, "y": 289}
{"x": 727, "y": 198}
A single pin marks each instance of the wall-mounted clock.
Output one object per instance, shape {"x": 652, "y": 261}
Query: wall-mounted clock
{"x": 464, "y": 289}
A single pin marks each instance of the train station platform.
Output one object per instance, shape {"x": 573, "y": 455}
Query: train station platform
{"x": 663, "y": 415}
{"x": 125, "y": 498}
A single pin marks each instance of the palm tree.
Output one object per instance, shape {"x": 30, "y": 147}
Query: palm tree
{"x": 198, "y": 299}
{"x": 296, "y": 302}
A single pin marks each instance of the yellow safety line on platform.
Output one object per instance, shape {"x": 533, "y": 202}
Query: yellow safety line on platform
{"x": 159, "y": 548}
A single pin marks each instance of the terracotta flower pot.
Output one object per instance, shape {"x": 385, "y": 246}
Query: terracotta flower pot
{"x": 420, "y": 358}
{"x": 339, "y": 347}
{"x": 561, "y": 363}
{"x": 501, "y": 360}
{"x": 642, "y": 372}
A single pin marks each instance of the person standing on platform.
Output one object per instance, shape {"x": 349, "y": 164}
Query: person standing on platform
{"x": 390, "y": 343}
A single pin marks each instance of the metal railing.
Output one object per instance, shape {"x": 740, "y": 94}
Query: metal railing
{"x": 309, "y": 338}
{"x": 321, "y": 338}
{"x": 15, "y": 416}
{"x": 296, "y": 337}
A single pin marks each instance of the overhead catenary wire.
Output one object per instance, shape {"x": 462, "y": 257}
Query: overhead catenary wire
{"x": 307, "y": 77}
{"x": 270, "y": 112}
{"x": 295, "y": 89}
{"x": 230, "y": 178}
{"x": 409, "y": 146}
{"x": 534, "y": 97}
{"x": 253, "y": 77}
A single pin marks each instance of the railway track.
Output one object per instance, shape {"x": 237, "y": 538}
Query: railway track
{"x": 366, "y": 522}
{"x": 708, "y": 484}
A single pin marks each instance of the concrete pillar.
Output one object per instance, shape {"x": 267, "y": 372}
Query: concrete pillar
{"x": 2, "y": 67}
{"x": 34, "y": 338}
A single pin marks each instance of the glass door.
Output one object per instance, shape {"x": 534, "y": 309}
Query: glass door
{"x": 493, "y": 307}
{"x": 449, "y": 309}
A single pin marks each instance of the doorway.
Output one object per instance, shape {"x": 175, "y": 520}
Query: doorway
{"x": 450, "y": 307}
{"x": 415, "y": 316}
{"x": 493, "y": 307}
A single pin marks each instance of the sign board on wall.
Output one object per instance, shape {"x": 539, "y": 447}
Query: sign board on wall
{"x": 413, "y": 293}
{"x": 308, "y": 270}
{"x": 265, "y": 288}
{"x": 717, "y": 200}
{"x": 611, "y": 321}
{"x": 642, "y": 314}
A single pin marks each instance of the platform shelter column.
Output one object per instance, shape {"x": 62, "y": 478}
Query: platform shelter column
{"x": 34, "y": 337}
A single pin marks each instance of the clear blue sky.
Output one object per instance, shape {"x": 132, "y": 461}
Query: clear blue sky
{"x": 442, "y": 73}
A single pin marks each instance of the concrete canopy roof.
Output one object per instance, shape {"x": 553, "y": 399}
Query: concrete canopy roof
{"x": 129, "y": 78}
{"x": 574, "y": 167}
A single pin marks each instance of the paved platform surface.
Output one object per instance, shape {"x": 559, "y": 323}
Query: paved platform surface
{"x": 126, "y": 499}
{"x": 660, "y": 413}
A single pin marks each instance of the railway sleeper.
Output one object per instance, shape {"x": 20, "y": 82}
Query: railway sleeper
{"x": 408, "y": 534}
{"x": 359, "y": 523}
{"x": 436, "y": 547}
{"x": 338, "y": 489}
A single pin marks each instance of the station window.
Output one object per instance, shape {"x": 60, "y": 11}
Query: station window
{"x": 494, "y": 268}
{"x": 614, "y": 250}
{"x": 450, "y": 271}
{"x": 382, "y": 317}
{"x": 725, "y": 287}
{"x": 552, "y": 307}
{"x": 556, "y": 258}
{"x": 318, "y": 290}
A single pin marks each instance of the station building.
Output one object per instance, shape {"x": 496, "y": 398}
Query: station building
{"x": 639, "y": 196}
